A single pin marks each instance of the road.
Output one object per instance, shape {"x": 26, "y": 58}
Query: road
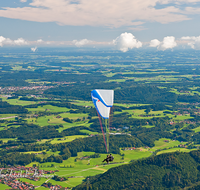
{"x": 8, "y": 117}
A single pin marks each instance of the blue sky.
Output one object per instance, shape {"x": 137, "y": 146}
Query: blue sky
{"x": 67, "y": 22}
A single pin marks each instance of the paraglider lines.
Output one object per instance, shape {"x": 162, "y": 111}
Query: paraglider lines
{"x": 102, "y": 131}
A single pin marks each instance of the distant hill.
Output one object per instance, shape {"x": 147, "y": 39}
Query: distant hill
{"x": 166, "y": 171}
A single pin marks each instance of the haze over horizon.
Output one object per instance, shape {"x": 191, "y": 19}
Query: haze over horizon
{"x": 124, "y": 25}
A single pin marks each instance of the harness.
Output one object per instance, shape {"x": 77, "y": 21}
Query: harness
{"x": 111, "y": 158}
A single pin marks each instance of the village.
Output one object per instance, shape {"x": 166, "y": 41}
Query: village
{"x": 11, "y": 177}
{"x": 14, "y": 89}
{"x": 41, "y": 87}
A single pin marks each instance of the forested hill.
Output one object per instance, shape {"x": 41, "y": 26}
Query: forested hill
{"x": 167, "y": 171}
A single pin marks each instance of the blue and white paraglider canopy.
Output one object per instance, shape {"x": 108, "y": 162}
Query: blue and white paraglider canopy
{"x": 103, "y": 101}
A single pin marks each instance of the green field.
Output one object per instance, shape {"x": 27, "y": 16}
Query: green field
{"x": 174, "y": 150}
{"x": 73, "y": 115}
{"x": 66, "y": 139}
{"x": 7, "y": 139}
{"x": 7, "y": 116}
{"x": 166, "y": 143}
{"x": 82, "y": 103}
{"x": 141, "y": 114}
{"x": 130, "y": 105}
{"x": 135, "y": 154}
{"x": 4, "y": 187}
{"x": 88, "y": 132}
{"x": 17, "y": 101}
{"x": 196, "y": 129}
{"x": 48, "y": 108}
{"x": 148, "y": 126}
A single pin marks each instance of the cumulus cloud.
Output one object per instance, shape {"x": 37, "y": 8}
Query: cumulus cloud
{"x": 167, "y": 43}
{"x": 5, "y": 41}
{"x": 40, "y": 41}
{"x": 193, "y": 42}
{"x": 81, "y": 42}
{"x": 154, "y": 43}
{"x": 20, "y": 41}
{"x": 188, "y": 38}
{"x": 116, "y": 13}
{"x": 2, "y": 40}
{"x": 23, "y": 1}
{"x": 8, "y": 41}
{"x": 126, "y": 41}
{"x": 33, "y": 49}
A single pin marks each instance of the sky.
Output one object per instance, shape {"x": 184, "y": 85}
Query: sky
{"x": 123, "y": 24}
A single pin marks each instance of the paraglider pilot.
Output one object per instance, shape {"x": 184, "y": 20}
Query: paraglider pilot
{"x": 108, "y": 159}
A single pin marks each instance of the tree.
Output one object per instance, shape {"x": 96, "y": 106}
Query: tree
{"x": 147, "y": 110}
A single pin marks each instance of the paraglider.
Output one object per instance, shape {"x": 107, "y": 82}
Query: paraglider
{"x": 108, "y": 159}
{"x": 103, "y": 101}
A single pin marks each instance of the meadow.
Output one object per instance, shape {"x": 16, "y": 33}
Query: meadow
{"x": 17, "y": 101}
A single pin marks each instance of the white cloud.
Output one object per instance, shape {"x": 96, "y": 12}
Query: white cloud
{"x": 167, "y": 43}
{"x": 33, "y": 49}
{"x": 192, "y": 10}
{"x": 188, "y": 38}
{"x": 23, "y": 1}
{"x": 5, "y": 41}
{"x": 8, "y": 41}
{"x": 40, "y": 41}
{"x": 81, "y": 42}
{"x": 20, "y": 41}
{"x": 116, "y": 13}
{"x": 126, "y": 41}
{"x": 193, "y": 42}
{"x": 154, "y": 43}
{"x": 2, "y": 40}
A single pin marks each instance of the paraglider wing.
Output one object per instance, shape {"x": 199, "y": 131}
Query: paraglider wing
{"x": 103, "y": 100}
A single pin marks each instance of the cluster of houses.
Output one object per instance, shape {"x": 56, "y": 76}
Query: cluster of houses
{"x": 171, "y": 122}
{"x": 53, "y": 187}
{"x": 188, "y": 122}
{"x": 8, "y": 89}
{"x": 180, "y": 114}
{"x": 185, "y": 121}
{"x": 182, "y": 146}
{"x": 183, "y": 91}
{"x": 15, "y": 184}
{"x": 187, "y": 111}
{"x": 149, "y": 115}
{"x": 116, "y": 129}
{"x": 129, "y": 148}
{"x": 11, "y": 147}
{"x": 120, "y": 134}
{"x": 64, "y": 82}
{"x": 21, "y": 171}
{"x": 92, "y": 135}
{"x": 10, "y": 176}
{"x": 84, "y": 157}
